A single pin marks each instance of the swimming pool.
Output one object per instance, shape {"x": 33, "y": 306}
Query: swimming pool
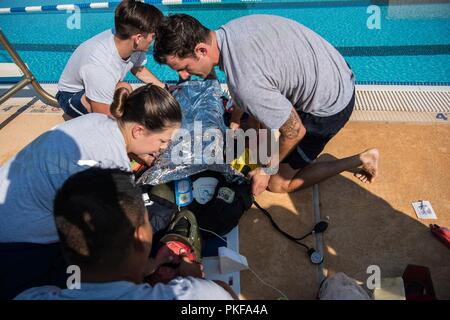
{"x": 412, "y": 45}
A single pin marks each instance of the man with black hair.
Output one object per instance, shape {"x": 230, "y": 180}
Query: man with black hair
{"x": 104, "y": 229}
{"x": 99, "y": 65}
{"x": 285, "y": 76}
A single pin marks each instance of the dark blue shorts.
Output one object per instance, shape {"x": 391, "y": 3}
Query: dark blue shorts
{"x": 319, "y": 130}
{"x": 71, "y": 103}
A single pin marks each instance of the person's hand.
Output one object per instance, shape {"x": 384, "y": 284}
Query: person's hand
{"x": 190, "y": 268}
{"x": 164, "y": 255}
{"x": 260, "y": 180}
{"x": 234, "y": 125}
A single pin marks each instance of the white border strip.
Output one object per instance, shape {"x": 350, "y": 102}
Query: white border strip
{"x": 169, "y": 2}
{"x": 99, "y": 5}
{"x": 33, "y": 9}
{"x": 66, "y": 7}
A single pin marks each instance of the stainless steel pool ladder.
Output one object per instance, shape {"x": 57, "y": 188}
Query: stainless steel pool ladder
{"x": 27, "y": 79}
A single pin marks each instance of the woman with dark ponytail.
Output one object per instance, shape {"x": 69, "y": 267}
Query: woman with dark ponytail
{"x": 147, "y": 110}
{"x": 143, "y": 123}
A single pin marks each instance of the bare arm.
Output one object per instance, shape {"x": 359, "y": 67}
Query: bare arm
{"x": 291, "y": 132}
{"x": 98, "y": 107}
{"x": 143, "y": 74}
{"x": 235, "y": 120}
{"x": 236, "y": 115}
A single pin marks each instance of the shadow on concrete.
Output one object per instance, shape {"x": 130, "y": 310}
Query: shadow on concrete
{"x": 5, "y": 122}
{"x": 366, "y": 230}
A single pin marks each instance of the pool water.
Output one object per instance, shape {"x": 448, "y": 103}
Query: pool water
{"x": 411, "y": 46}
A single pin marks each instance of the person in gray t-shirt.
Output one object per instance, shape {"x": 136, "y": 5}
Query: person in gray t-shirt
{"x": 286, "y": 77}
{"x": 106, "y": 237}
{"x": 144, "y": 122}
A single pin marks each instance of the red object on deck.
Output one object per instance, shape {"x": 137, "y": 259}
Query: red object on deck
{"x": 418, "y": 284}
{"x": 442, "y": 233}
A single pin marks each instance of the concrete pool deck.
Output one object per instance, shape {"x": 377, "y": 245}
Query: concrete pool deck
{"x": 368, "y": 224}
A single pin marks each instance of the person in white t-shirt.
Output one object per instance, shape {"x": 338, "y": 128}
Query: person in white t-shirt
{"x": 99, "y": 65}
{"x": 143, "y": 123}
{"x": 104, "y": 230}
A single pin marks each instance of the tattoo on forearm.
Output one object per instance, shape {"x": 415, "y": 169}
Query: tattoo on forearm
{"x": 291, "y": 128}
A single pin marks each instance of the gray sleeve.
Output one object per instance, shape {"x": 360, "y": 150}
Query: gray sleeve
{"x": 140, "y": 59}
{"x": 265, "y": 103}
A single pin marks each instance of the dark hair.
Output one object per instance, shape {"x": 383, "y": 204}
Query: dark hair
{"x": 133, "y": 17}
{"x": 149, "y": 105}
{"x": 96, "y": 213}
{"x": 178, "y": 35}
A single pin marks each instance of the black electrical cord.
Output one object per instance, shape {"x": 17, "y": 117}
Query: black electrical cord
{"x": 315, "y": 256}
{"x": 318, "y": 228}
{"x": 287, "y": 235}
